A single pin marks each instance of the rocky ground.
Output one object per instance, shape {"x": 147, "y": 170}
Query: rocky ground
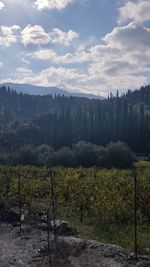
{"x": 30, "y": 249}
{"x": 18, "y": 249}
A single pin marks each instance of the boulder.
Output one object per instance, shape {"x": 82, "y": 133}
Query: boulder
{"x": 44, "y": 218}
{"x": 63, "y": 228}
{"x": 7, "y": 214}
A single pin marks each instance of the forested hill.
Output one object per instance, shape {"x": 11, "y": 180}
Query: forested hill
{"x": 139, "y": 96}
{"x": 61, "y": 121}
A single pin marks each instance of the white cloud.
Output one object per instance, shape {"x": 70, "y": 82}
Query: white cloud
{"x": 45, "y": 54}
{"x": 52, "y": 4}
{"x": 1, "y": 65}
{"x": 1, "y": 5}
{"x": 68, "y": 58}
{"x": 34, "y": 35}
{"x": 65, "y": 38}
{"x": 8, "y": 35}
{"x": 119, "y": 60}
{"x": 128, "y": 37}
{"x": 16, "y": 28}
{"x": 50, "y": 77}
{"x": 138, "y": 11}
{"x": 54, "y": 74}
{"x": 24, "y": 71}
{"x": 123, "y": 47}
{"x": 122, "y": 61}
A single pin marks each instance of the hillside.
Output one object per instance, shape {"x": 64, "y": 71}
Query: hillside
{"x": 61, "y": 121}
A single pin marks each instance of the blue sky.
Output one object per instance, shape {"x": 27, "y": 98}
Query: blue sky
{"x": 92, "y": 46}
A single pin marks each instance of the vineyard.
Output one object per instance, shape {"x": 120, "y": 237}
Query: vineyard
{"x": 98, "y": 202}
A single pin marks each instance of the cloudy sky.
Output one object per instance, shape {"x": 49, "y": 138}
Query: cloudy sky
{"x": 92, "y": 46}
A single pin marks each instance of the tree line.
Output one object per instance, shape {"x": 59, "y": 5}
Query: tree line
{"x": 83, "y": 154}
{"x": 61, "y": 121}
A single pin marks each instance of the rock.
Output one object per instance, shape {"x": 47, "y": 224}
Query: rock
{"x": 43, "y": 250}
{"x": 44, "y": 219}
{"x": 147, "y": 250}
{"x": 42, "y": 226}
{"x": 9, "y": 215}
{"x": 63, "y": 228}
{"x": 143, "y": 264}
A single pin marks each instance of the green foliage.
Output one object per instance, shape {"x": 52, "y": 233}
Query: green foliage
{"x": 25, "y": 156}
{"x": 119, "y": 155}
{"x": 82, "y": 154}
{"x": 106, "y": 194}
{"x": 63, "y": 121}
{"x": 86, "y": 153}
{"x": 64, "y": 157}
{"x": 43, "y": 153}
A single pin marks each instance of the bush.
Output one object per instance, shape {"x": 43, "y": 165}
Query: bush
{"x": 119, "y": 155}
{"x": 83, "y": 154}
{"x": 25, "y": 156}
{"x": 64, "y": 157}
{"x": 86, "y": 153}
{"x": 44, "y": 152}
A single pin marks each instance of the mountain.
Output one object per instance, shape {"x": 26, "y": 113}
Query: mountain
{"x": 41, "y": 90}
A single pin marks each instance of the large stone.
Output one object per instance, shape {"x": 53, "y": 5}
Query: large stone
{"x": 63, "y": 228}
{"x": 7, "y": 214}
{"x": 44, "y": 218}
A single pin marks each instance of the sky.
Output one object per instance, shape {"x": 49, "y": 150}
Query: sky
{"x": 90, "y": 46}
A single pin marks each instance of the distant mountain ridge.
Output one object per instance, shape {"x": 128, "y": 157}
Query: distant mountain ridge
{"x": 41, "y": 90}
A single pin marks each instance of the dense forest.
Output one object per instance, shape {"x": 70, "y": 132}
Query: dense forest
{"x": 62, "y": 121}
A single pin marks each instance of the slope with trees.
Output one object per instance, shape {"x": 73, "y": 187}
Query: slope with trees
{"x": 61, "y": 121}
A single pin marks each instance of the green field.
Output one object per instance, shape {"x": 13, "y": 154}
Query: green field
{"x": 98, "y": 202}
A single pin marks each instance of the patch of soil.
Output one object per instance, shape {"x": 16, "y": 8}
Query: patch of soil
{"x": 18, "y": 249}
{"x": 29, "y": 249}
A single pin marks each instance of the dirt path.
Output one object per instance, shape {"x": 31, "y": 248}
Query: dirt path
{"x": 24, "y": 250}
